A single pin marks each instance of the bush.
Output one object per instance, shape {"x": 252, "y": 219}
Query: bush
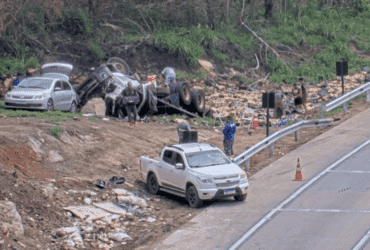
{"x": 95, "y": 50}
{"x": 56, "y": 131}
{"x": 75, "y": 22}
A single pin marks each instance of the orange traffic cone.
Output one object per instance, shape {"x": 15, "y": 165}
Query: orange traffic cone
{"x": 298, "y": 173}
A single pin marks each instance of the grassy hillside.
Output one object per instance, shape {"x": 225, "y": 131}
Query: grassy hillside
{"x": 309, "y": 42}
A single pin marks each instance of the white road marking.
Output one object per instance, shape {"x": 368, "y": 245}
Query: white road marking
{"x": 362, "y": 241}
{"x": 325, "y": 210}
{"x": 273, "y": 211}
{"x": 350, "y": 171}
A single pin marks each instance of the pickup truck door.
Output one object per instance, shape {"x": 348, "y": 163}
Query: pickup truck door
{"x": 178, "y": 176}
{"x": 166, "y": 166}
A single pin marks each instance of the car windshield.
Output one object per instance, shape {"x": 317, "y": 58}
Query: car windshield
{"x": 36, "y": 83}
{"x": 206, "y": 159}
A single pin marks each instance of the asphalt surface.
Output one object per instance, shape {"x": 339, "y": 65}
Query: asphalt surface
{"x": 275, "y": 214}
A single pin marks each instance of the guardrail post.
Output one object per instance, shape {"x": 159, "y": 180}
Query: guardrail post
{"x": 247, "y": 161}
{"x": 271, "y": 145}
{"x": 321, "y": 111}
{"x": 296, "y": 133}
{"x": 368, "y": 96}
{"x": 345, "y": 107}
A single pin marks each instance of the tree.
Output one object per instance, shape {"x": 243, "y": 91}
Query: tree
{"x": 268, "y": 9}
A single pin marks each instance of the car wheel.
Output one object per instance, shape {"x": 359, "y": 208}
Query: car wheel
{"x": 198, "y": 101}
{"x": 153, "y": 185}
{"x": 73, "y": 108}
{"x": 120, "y": 64}
{"x": 50, "y": 105}
{"x": 183, "y": 89}
{"x": 240, "y": 197}
{"x": 193, "y": 198}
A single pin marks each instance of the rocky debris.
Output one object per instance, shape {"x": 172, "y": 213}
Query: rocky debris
{"x": 94, "y": 106}
{"x": 54, "y": 157}
{"x": 10, "y": 220}
{"x": 230, "y": 99}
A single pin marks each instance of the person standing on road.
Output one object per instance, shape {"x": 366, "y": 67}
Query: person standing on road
{"x": 181, "y": 128}
{"x": 130, "y": 93}
{"x": 297, "y": 94}
{"x": 229, "y": 136}
{"x": 304, "y": 94}
{"x": 18, "y": 79}
{"x": 170, "y": 76}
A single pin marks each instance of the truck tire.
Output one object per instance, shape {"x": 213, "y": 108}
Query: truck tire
{"x": 198, "y": 101}
{"x": 153, "y": 185}
{"x": 120, "y": 64}
{"x": 240, "y": 197}
{"x": 193, "y": 198}
{"x": 183, "y": 89}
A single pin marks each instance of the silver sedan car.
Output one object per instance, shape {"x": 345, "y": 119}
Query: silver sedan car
{"x": 51, "y": 91}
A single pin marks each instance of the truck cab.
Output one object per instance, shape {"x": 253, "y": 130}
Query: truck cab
{"x": 195, "y": 171}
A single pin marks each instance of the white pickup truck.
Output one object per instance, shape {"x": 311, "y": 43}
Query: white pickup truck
{"x": 195, "y": 171}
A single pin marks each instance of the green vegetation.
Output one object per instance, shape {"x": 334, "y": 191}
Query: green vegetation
{"x": 56, "y": 131}
{"x": 92, "y": 118}
{"x": 51, "y": 117}
{"x": 205, "y": 88}
{"x": 182, "y": 75}
{"x": 2, "y": 103}
{"x": 335, "y": 110}
{"x": 95, "y": 50}
{"x": 200, "y": 121}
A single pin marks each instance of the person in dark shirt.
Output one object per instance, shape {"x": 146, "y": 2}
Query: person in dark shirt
{"x": 183, "y": 126}
{"x": 229, "y": 136}
{"x": 18, "y": 79}
{"x": 297, "y": 94}
{"x": 130, "y": 106}
{"x": 304, "y": 94}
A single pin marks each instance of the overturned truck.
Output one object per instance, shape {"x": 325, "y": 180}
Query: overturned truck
{"x": 110, "y": 79}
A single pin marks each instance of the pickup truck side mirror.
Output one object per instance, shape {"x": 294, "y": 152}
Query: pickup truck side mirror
{"x": 179, "y": 166}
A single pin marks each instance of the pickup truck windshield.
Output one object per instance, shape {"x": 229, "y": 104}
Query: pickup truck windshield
{"x": 206, "y": 159}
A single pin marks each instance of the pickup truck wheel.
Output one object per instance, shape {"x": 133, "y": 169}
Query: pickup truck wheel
{"x": 183, "y": 89}
{"x": 198, "y": 101}
{"x": 153, "y": 184}
{"x": 193, "y": 198}
{"x": 240, "y": 197}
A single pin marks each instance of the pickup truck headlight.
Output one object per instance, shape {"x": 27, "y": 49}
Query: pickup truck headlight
{"x": 243, "y": 175}
{"x": 205, "y": 180}
{"x": 40, "y": 96}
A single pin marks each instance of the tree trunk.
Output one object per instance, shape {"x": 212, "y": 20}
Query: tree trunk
{"x": 227, "y": 13}
{"x": 268, "y": 9}
{"x": 211, "y": 19}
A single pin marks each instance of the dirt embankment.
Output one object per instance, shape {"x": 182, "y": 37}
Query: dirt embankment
{"x": 31, "y": 159}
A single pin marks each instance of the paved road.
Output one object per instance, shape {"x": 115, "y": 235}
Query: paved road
{"x": 331, "y": 213}
{"x": 221, "y": 225}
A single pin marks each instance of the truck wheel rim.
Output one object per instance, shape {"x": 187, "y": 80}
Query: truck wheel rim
{"x": 192, "y": 196}
{"x": 201, "y": 101}
{"x": 153, "y": 184}
{"x": 186, "y": 94}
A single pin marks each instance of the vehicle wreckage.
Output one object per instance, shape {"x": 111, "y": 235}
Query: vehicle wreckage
{"x": 110, "y": 79}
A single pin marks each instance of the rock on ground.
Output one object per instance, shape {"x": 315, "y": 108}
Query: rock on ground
{"x": 10, "y": 220}
{"x": 95, "y": 106}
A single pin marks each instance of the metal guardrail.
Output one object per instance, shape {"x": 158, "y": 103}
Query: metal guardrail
{"x": 345, "y": 98}
{"x": 278, "y": 135}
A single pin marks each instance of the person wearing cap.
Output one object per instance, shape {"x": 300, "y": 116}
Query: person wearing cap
{"x": 130, "y": 107}
{"x": 18, "y": 79}
{"x": 181, "y": 128}
{"x": 304, "y": 93}
{"x": 170, "y": 76}
{"x": 229, "y": 136}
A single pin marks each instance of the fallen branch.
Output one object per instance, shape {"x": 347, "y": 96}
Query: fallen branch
{"x": 258, "y": 63}
{"x": 144, "y": 20}
{"x": 260, "y": 80}
{"x": 265, "y": 44}
{"x": 185, "y": 33}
